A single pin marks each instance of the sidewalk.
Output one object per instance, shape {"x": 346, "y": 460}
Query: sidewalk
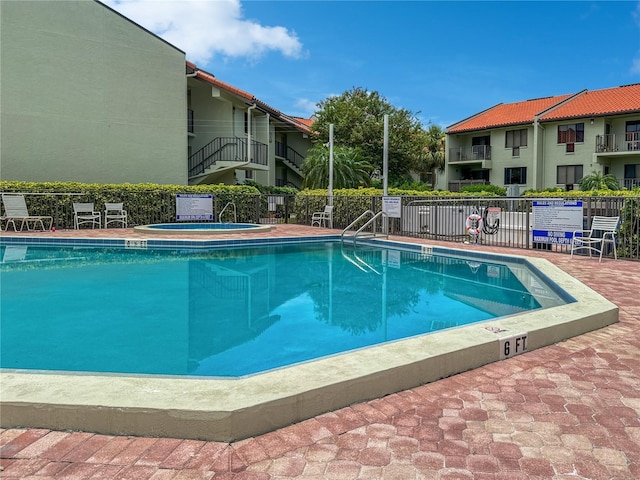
{"x": 569, "y": 411}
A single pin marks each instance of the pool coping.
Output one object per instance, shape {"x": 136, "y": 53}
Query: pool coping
{"x": 233, "y": 409}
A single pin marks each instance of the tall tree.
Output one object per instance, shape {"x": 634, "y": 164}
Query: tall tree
{"x": 432, "y": 155}
{"x": 358, "y": 119}
{"x": 349, "y": 169}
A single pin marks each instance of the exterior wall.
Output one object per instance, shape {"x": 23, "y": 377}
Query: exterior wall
{"x": 503, "y": 157}
{"x": 88, "y": 96}
{"x": 555, "y": 154}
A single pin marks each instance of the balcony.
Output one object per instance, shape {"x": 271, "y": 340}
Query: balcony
{"x": 225, "y": 152}
{"x": 618, "y": 142}
{"x": 474, "y": 154}
{"x": 456, "y": 185}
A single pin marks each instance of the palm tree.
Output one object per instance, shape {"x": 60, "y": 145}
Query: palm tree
{"x": 598, "y": 181}
{"x": 349, "y": 170}
{"x": 431, "y": 156}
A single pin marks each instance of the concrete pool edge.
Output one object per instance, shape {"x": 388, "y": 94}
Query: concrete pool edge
{"x": 233, "y": 409}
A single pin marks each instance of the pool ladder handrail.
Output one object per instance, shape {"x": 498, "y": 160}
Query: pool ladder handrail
{"x": 371, "y": 222}
{"x": 359, "y": 262}
{"x": 235, "y": 214}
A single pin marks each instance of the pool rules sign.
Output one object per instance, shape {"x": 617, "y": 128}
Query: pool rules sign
{"x": 193, "y": 206}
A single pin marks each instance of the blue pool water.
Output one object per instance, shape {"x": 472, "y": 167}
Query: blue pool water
{"x": 237, "y": 311}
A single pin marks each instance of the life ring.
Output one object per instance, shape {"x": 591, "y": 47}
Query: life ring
{"x": 474, "y": 224}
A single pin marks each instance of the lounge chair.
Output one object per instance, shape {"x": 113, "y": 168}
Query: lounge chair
{"x": 114, "y": 212}
{"x": 324, "y": 218}
{"x": 14, "y": 253}
{"x": 603, "y": 231}
{"x": 84, "y": 213}
{"x": 15, "y": 209}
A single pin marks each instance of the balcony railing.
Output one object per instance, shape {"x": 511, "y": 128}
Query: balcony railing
{"x": 289, "y": 153}
{"x": 630, "y": 183}
{"x": 227, "y": 149}
{"x": 466, "y": 154}
{"x": 456, "y": 185}
{"x": 618, "y": 142}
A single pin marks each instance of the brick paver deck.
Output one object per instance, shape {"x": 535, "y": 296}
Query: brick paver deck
{"x": 568, "y": 411}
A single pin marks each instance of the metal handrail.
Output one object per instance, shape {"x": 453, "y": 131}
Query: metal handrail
{"x": 235, "y": 213}
{"x": 359, "y": 263}
{"x": 371, "y": 221}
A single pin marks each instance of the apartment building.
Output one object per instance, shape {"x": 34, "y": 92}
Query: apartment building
{"x": 223, "y": 121}
{"x": 547, "y": 142}
{"x": 90, "y": 96}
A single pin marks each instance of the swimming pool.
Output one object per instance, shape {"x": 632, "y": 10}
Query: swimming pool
{"x": 226, "y": 409}
{"x": 202, "y": 228}
{"x": 242, "y": 310}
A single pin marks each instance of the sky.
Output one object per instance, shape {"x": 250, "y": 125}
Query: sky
{"x": 441, "y": 60}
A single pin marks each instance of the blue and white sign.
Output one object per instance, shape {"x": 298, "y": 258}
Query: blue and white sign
{"x": 554, "y": 221}
{"x": 194, "y": 206}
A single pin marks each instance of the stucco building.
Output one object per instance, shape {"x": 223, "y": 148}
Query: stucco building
{"x": 88, "y": 95}
{"x": 547, "y": 142}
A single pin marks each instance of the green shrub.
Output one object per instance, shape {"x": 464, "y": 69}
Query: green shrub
{"x": 494, "y": 189}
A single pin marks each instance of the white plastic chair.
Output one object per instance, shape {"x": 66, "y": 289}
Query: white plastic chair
{"x": 603, "y": 231}
{"x": 324, "y": 218}
{"x": 114, "y": 212}
{"x": 84, "y": 213}
{"x": 15, "y": 209}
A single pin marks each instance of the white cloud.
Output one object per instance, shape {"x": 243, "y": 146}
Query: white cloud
{"x": 635, "y": 66}
{"x": 205, "y": 29}
{"x": 307, "y": 106}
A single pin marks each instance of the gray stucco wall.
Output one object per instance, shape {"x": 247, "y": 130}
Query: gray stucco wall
{"x": 86, "y": 95}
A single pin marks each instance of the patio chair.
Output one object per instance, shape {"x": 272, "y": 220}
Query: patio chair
{"x": 324, "y": 218}
{"x": 83, "y": 213}
{"x": 14, "y": 253}
{"x": 15, "y": 209}
{"x": 603, "y": 231}
{"x": 114, "y": 212}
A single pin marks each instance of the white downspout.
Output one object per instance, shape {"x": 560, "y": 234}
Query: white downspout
{"x": 538, "y": 166}
{"x": 249, "y": 132}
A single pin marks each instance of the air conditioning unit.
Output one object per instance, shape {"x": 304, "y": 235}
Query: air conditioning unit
{"x": 513, "y": 190}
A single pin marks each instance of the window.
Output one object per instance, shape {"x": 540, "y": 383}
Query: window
{"x": 569, "y": 174}
{"x": 573, "y": 133}
{"x": 248, "y": 174}
{"x": 633, "y": 135}
{"x": 246, "y": 122}
{"x": 630, "y": 171}
{"x": 515, "y": 175}
{"x": 515, "y": 138}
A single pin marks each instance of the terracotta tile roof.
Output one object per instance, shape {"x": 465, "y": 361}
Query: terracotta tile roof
{"x": 248, "y": 97}
{"x": 306, "y": 121}
{"x": 616, "y": 100}
{"x": 598, "y": 102}
{"x": 504, "y": 114}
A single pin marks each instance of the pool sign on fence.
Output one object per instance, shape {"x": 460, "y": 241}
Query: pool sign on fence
{"x": 194, "y": 206}
{"x": 392, "y": 206}
{"x": 555, "y": 220}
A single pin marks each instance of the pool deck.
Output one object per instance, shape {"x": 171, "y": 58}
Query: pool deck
{"x": 566, "y": 411}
